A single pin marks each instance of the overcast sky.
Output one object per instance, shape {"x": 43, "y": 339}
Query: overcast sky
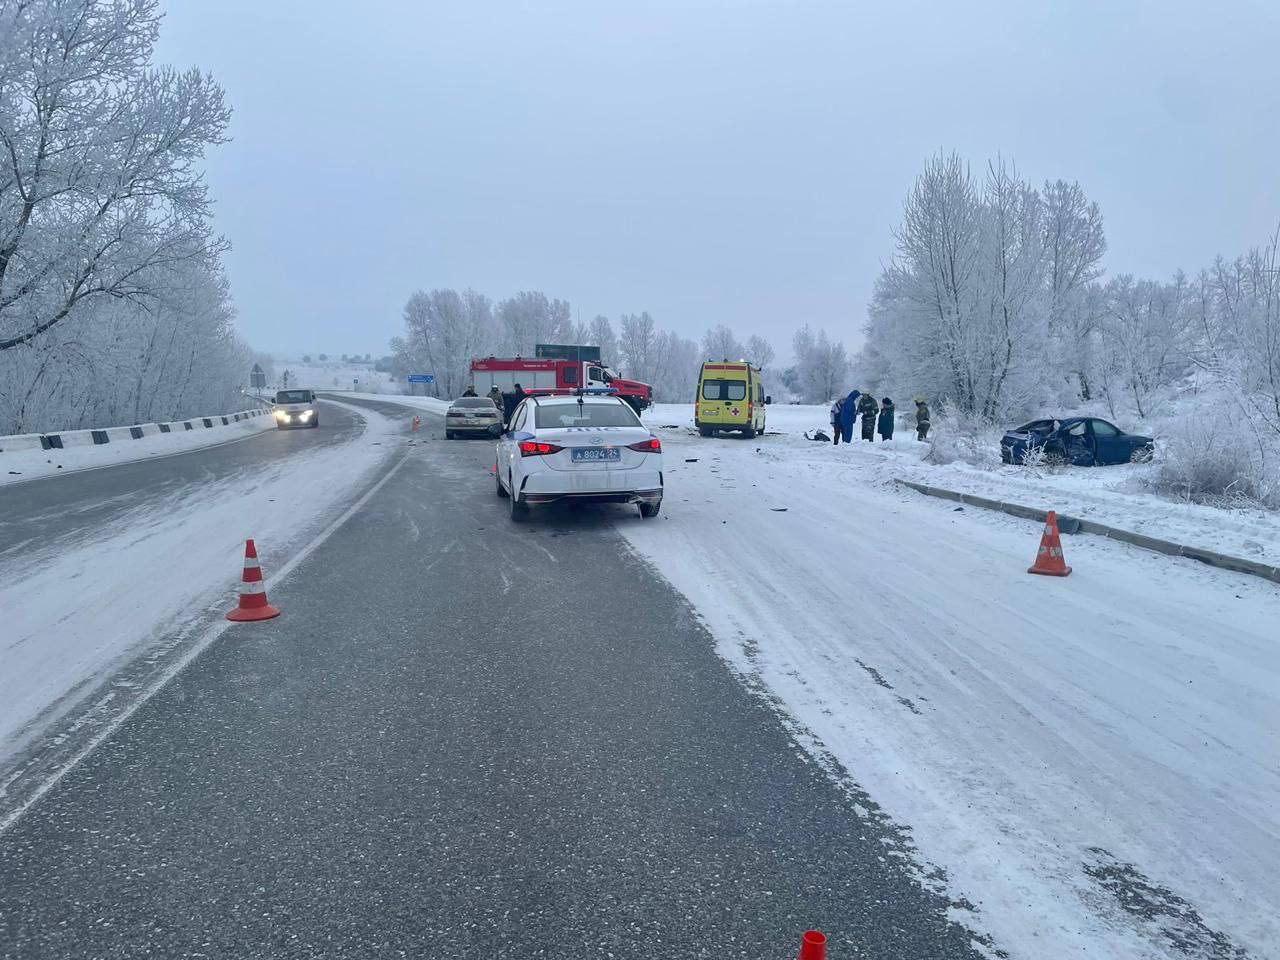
{"x": 740, "y": 163}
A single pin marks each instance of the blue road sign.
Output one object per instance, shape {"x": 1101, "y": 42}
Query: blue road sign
{"x": 422, "y": 378}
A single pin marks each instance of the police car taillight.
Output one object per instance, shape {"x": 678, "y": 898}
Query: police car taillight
{"x": 652, "y": 445}
{"x": 531, "y": 448}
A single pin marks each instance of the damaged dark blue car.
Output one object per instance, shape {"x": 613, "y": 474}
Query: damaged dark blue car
{"x": 1079, "y": 441}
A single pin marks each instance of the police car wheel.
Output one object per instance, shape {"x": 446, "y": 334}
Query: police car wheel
{"x": 519, "y": 509}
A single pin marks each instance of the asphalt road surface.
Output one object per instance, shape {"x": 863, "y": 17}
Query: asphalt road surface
{"x": 62, "y": 507}
{"x": 463, "y": 737}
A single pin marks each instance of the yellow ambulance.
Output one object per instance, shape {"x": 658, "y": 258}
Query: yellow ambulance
{"x": 730, "y": 397}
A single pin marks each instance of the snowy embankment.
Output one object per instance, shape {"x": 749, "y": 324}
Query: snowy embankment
{"x": 1117, "y": 496}
{"x": 73, "y": 613}
{"x": 24, "y": 457}
{"x": 1075, "y": 754}
{"x": 338, "y": 375}
{"x": 429, "y": 404}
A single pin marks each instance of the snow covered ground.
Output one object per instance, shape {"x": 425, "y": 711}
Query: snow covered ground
{"x": 430, "y": 404}
{"x": 1110, "y": 495}
{"x": 180, "y": 555}
{"x": 1060, "y": 748}
{"x": 337, "y": 375}
{"x": 17, "y": 466}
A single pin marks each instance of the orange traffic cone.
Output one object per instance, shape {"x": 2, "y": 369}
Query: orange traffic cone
{"x": 813, "y": 946}
{"x": 417, "y": 422}
{"x": 1049, "y": 559}
{"x": 253, "y": 595}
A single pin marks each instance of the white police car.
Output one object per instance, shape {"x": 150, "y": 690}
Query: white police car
{"x": 584, "y": 447}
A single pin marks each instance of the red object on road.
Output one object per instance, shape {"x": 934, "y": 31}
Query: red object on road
{"x": 813, "y": 946}
{"x": 253, "y": 594}
{"x": 1049, "y": 559}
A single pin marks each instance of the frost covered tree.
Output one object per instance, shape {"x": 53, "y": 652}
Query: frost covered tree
{"x": 989, "y": 293}
{"x": 822, "y": 366}
{"x": 1074, "y": 244}
{"x": 99, "y": 160}
{"x": 600, "y": 333}
{"x": 638, "y": 344}
{"x": 113, "y": 304}
{"x": 530, "y": 318}
{"x": 759, "y": 351}
{"x": 719, "y": 343}
{"x": 1144, "y": 335}
{"x": 444, "y": 331}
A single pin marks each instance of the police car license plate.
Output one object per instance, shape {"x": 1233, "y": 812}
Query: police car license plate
{"x": 596, "y": 455}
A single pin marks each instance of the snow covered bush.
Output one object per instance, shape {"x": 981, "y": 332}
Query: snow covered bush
{"x": 1221, "y": 460}
{"x": 964, "y": 437}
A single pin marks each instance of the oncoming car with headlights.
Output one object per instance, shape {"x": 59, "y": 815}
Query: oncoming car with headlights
{"x": 296, "y": 408}
{"x": 585, "y": 447}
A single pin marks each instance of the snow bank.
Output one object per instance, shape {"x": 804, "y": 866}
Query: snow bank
{"x": 22, "y": 457}
{"x": 1055, "y": 746}
{"x": 1120, "y": 496}
{"x": 338, "y": 375}
{"x": 430, "y": 404}
{"x": 74, "y": 613}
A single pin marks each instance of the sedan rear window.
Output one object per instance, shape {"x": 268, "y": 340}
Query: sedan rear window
{"x": 724, "y": 390}
{"x": 550, "y": 416}
{"x": 474, "y": 403}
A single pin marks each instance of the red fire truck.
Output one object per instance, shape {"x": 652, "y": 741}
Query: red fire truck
{"x": 545, "y": 375}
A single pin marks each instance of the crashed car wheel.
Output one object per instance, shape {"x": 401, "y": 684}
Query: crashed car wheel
{"x": 1142, "y": 455}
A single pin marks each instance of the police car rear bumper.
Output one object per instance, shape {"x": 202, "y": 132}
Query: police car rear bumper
{"x": 605, "y": 486}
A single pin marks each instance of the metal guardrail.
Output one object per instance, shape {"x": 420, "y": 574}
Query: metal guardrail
{"x": 1069, "y": 524}
{"x": 64, "y": 439}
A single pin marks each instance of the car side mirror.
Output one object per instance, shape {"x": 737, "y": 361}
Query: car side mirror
{"x": 768, "y": 400}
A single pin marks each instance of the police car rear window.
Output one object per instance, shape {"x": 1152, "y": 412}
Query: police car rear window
{"x": 724, "y": 390}
{"x": 551, "y": 416}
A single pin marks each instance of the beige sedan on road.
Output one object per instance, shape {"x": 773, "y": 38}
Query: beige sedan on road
{"x": 476, "y": 416}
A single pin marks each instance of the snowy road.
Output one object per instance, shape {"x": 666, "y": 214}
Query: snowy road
{"x": 917, "y": 747}
{"x": 1094, "y": 762}
{"x": 104, "y": 573}
{"x": 438, "y": 750}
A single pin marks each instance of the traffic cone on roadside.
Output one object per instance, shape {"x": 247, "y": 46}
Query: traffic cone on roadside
{"x": 417, "y": 422}
{"x": 253, "y": 595}
{"x": 813, "y": 946}
{"x": 1049, "y": 559}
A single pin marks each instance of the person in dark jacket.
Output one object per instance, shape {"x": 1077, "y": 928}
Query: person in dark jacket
{"x": 516, "y": 397}
{"x": 885, "y": 423}
{"x": 848, "y": 412}
{"x": 922, "y": 418}
{"x": 469, "y": 392}
{"x": 868, "y": 408}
